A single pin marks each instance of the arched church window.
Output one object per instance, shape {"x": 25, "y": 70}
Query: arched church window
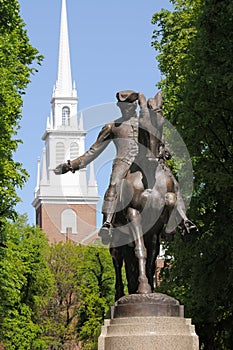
{"x": 65, "y": 116}
{"x": 60, "y": 152}
{"x": 68, "y": 222}
{"x": 74, "y": 150}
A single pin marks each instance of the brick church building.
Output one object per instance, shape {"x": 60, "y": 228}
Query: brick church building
{"x": 65, "y": 205}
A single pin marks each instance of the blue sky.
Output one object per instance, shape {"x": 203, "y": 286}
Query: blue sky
{"x": 110, "y": 47}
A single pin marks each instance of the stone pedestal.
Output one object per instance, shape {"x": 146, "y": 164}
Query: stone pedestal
{"x": 148, "y": 322}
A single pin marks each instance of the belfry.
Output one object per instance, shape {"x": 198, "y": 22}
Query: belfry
{"x": 65, "y": 205}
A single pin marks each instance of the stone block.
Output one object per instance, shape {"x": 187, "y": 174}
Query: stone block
{"x": 148, "y": 333}
{"x": 148, "y": 322}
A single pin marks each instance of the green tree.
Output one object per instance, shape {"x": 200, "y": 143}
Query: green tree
{"x": 97, "y": 294}
{"x": 195, "y": 46}
{"x": 25, "y": 283}
{"x": 16, "y": 59}
{"x": 59, "y": 314}
{"x": 83, "y": 292}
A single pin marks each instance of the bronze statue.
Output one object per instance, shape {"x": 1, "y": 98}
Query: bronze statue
{"x": 143, "y": 198}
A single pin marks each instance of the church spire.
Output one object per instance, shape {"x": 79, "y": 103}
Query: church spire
{"x": 64, "y": 80}
{"x": 62, "y": 203}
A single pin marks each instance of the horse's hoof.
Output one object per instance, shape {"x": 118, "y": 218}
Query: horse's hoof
{"x": 190, "y": 227}
{"x": 144, "y": 287}
{"x": 119, "y": 295}
{"x": 187, "y": 228}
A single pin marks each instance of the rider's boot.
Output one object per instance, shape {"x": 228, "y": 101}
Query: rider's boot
{"x": 109, "y": 207}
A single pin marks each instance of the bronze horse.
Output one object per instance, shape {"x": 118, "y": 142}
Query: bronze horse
{"x": 150, "y": 204}
{"x": 147, "y": 198}
{"x": 142, "y": 216}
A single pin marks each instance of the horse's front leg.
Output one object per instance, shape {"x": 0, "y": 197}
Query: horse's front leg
{"x": 140, "y": 250}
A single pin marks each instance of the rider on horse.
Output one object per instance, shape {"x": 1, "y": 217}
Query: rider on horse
{"x": 132, "y": 137}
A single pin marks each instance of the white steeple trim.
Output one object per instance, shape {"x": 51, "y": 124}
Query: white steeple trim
{"x": 44, "y": 167}
{"x": 38, "y": 178}
{"x": 48, "y": 126}
{"x": 92, "y": 184}
{"x": 54, "y": 90}
{"x": 81, "y": 121}
{"x": 64, "y": 79}
{"x": 51, "y": 119}
{"x": 74, "y": 91}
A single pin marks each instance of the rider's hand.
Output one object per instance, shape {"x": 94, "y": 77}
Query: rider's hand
{"x": 62, "y": 168}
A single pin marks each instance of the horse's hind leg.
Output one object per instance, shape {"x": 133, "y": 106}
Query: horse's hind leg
{"x": 153, "y": 247}
{"x": 117, "y": 258}
{"x": 140, "y": 250}
{"x": 131, "y": 268}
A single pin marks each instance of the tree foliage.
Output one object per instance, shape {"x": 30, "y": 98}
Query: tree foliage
{"x": 16, "y": 59}
{"x": 25, "y": 283}
{"x": 52, "y": 297}
{"x": 83, "y": 291}
{"x": 195, "y": 46}
{"x": 59, "y": 315}
{"x": 97, "y": 294}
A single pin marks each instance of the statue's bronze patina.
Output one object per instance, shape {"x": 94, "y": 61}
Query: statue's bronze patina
{"x": 143, "y": 199}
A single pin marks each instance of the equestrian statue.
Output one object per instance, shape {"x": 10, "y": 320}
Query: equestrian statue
{"x": 143, "y": 200}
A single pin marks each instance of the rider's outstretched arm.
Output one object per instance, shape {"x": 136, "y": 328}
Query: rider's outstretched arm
{"x": 103, "y": 139}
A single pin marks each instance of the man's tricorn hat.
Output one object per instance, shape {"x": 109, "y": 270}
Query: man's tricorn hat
{"x": 127, "y": 96}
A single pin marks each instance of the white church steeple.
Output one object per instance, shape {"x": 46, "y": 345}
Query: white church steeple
{"x": 64, "y": 98}
{"x": 64, "y": 200}
{"x": 64, "y": 86}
